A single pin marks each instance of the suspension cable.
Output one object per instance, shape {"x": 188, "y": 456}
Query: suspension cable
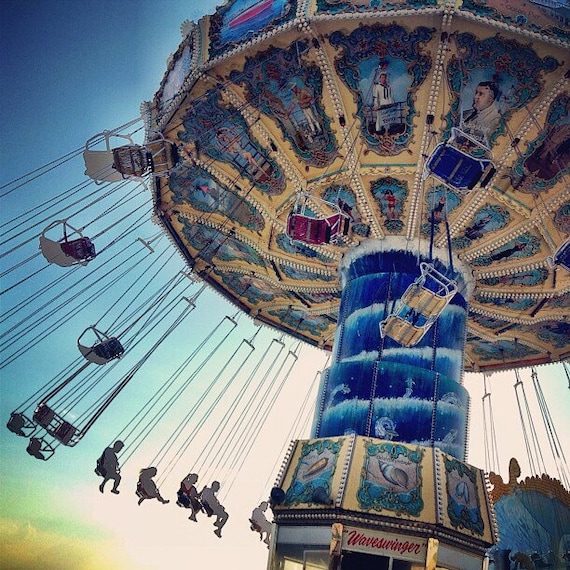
{"x": 530, "y": 438}
{"x": 492, "y": 462}
{"x": 254, "y": 429}
{"x": 148, "y": 407}
{"x": 553, "y": 440}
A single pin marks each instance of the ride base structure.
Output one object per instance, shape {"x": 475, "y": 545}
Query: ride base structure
{"x": 383, "y": 483}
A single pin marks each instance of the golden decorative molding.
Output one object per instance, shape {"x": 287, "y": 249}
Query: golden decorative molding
{"x": 544, "y": 484}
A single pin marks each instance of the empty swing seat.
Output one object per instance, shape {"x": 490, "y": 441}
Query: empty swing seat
{"x": 303, "y": 225}
{"x": 162, "y": 155}
{"x": 54, "y": 424}
{"x": 20, "y": 424}
{"x": 456, "y": 168}
{"x": 308, "y": 230}
{"x": 424, "y": 300}
{"x": 452, "y": 163}
{"x": 43, "y": 415}
{"x": 419, "y": 307}
{"x": 63, "y": 251}
{"x": 317, "y": 231}
{"x": 129, "y": 161}
{"x": 106, "y": 349}
{"x": 64, "y": 432}
{"x": 403, "y": 331}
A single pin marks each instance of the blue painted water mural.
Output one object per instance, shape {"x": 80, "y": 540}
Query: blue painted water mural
{"x": 377, "y": 387}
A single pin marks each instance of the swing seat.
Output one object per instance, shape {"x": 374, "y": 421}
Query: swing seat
{"x": 458, "y": 169}
{"x": 64, "y": 432}
{"x": 43, "y": 415}
{"x": 318, "y": 231}
{"x": 423, "y": 300}
{"x": 21, "y": 425}
{"x": 308, "y": 230}
{"x": 430, "y": 292}
{"x": 109, "y": 349}
{"x": 81, "y": 249}
{"x": 131, "y": 160}
{"x": 402, "y": 331}
{"x": 340, "y": 225}
{"x": 188, "y": 502}
{"x": 207, "y": 509}
{"x": 419, "y": 307}
{"x": 103, "y": 350}
{"x": 315, "y": 230}
{"x": 561, "y": 256}
{"x": 66, "y": 252}
{"x": 55, "y": 425}
{"x": 163, "y": 156}
{"x": 40, "y": 448}
{"x": 255, "y": 526}
{"x": 100, "y": 163}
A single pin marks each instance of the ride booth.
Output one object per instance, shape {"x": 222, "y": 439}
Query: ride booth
{"x": 384, "y": 482}
{"x": 360, "y": 503}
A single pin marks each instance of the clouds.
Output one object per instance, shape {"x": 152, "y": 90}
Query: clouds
{"x": 27, "y": 546}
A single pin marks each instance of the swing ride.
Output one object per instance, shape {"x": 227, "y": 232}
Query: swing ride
{"x": 405, "y": 144}
{"x": 414, "y": 239}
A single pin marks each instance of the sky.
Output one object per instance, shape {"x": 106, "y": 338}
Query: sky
{"x": 70, "y": 70}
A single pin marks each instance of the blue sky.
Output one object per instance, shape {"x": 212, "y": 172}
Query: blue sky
{"x": 70, "y": 70}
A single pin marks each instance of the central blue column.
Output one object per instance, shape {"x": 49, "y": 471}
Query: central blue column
{"x": 379, "y": 388}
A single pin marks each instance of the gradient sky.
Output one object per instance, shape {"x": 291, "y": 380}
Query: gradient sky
{"x": 72, "y": 68}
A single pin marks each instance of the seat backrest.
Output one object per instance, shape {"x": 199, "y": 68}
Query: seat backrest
{"x": 43, "y": 415}
{"x": 64, "y": 433}
{"x": 99, "y": 166}
{"x": 81, "y": 249}
{"x": 130, "y": 160}
{"x": 109, "y": 349}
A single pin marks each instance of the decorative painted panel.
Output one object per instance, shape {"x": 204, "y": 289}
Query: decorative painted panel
{"x": 289, "y": 90}
{"x": 240, "y": 20}
{"x": 384, "y": 66}
{"x": 525, "y": 245}
{"x": 545, "y": 17}
{"x": 199, "y": 189}
{"x": 314, "y": 473}
{"x": 220, "y": 132}
{"x": 490, "y": 79}
{"x": 547, "y": 159}
{"x": 464, "y": 509}
{"x": 212, "y": 243}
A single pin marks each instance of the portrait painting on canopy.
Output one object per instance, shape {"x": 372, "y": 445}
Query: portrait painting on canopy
{"x": 483, "y": 102}
{"x": 384, "y": 87}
